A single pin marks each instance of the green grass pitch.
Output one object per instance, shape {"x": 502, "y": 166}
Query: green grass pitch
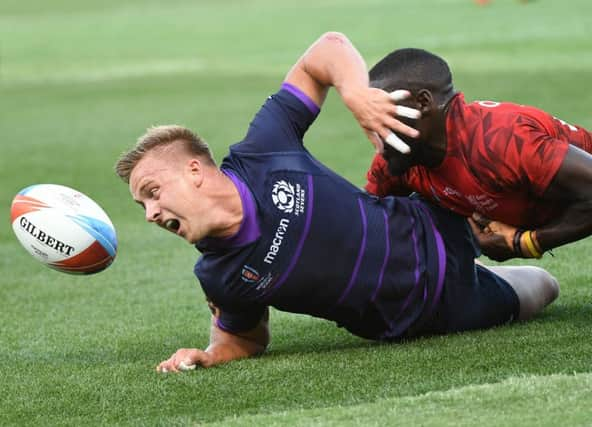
{"x": 79, "y": 81}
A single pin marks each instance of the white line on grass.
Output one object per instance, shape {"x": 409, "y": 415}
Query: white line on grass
{"x": 526, "y": 401}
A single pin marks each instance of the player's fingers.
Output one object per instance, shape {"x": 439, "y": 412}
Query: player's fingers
{"x": 164, "y": 367}
{"x": 480, "y": 219}
{"x": 399, "y": 94}
{"x": 397, "y": 126}
{"x": 398, "y": 144}
{"x": 400, "y": 110}
{"x": 172, "y": 363}
{"x": 181, "y": 360}
{"x": 502, "y": 228}
{"x": 505, "y": 231}
{"x": 496, "y": 227}
{"x": 199, "y": 357}
{"x": 186, "y": 365}
{"x": 411, "y": 113}
{"x": 477, "y": 231}
{"x": 189, "y": 359}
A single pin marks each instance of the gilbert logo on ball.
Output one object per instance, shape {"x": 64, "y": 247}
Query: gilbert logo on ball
{"x": 63, "y": 228}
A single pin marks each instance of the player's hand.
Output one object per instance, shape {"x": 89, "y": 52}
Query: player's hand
{"x": 494, "y": 237}
{"x": 376, "y": 112}
{"x": 186, "y": 359}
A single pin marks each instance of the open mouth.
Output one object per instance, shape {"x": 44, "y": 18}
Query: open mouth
{"x": 172, "y": 225}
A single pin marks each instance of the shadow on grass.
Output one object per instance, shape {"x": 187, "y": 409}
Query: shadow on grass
{"x": 302, "y": 335}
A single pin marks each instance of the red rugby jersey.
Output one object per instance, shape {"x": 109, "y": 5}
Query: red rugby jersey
{"x": 500, "y": 159}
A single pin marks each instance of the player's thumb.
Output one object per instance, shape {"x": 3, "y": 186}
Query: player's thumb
{"x": 199, "y": 357}
{"x": 480, "y": 219}
{"x": 504, "y": 230}
{"x": 477, "y": 231}
{"x": 375, "y": 140}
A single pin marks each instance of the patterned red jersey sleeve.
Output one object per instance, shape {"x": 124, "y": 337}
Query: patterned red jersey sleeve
{"x": 380, "y": 182}
{"x": 537, "y": 155}
{"x": 574, "y": 134}
{"x": 550, "y": 139}
{"x": 516, "y": 148}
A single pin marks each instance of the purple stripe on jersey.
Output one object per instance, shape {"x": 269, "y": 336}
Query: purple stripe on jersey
{"x": 220, "y": 325}
{"x": 441, "y": 260}
{"x": 310, "y": 104}
{"x": 249, "y": 229}
{"x": 442, "y": 264}
{"x": 360, "y": 253}
{"x": 387, "y": 254}
{"x": 416, "y": 252}
{"x": 298, "y": 251}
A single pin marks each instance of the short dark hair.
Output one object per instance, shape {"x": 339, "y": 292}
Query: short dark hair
{"x": 412, "y": 69}
{"x": 158, "y": 137}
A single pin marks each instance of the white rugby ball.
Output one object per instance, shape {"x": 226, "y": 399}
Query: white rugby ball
{"x": 63, "y": 228}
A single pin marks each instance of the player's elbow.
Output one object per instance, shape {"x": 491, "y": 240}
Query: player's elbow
{"x": 259, "y": 337}
{"x": 261, "y": 346}
{"x": 255, "y": 343}
{"x": 581, "y": 211}
{"x": 262, "y": 337}
{"x": 584, "y": 209}
{"x": 334, "y": 37}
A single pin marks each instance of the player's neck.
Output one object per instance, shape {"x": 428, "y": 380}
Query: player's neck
{"x": 227, "y": 210}
{"x": 435, "y": 151}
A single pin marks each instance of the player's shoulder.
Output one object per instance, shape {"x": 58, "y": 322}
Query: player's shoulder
{"x": 291, "y": 100}
{"x": 504, "y": 111}
{"x": 484, "y": 107}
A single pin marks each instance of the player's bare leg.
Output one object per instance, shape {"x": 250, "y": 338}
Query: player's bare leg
{"x": 536, "y": 288}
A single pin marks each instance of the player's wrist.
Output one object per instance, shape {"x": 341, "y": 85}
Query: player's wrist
{"x": 516, "y": 245}
{"x": 536, "y": 243}
{"x": 529, "y": 247}
{"x": 351, "y": 94}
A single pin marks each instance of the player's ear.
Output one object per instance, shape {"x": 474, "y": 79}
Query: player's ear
{"x": 194, "y": 168}
{"x": 425, "y": 100}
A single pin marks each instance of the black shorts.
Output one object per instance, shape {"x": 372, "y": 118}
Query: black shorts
{"x": 473, "y": 297}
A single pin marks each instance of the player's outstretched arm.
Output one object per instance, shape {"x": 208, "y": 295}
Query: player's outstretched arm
{"x": 223, "y": 348}
{"x": 334, "y": 61}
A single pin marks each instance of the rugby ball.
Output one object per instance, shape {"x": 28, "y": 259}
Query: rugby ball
{"x": 63, "y": 228}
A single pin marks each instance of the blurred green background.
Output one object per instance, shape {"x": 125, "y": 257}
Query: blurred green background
{"x": 80, "y": 81}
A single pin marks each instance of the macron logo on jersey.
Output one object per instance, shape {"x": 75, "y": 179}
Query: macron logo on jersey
{"x": 277, "y": 241}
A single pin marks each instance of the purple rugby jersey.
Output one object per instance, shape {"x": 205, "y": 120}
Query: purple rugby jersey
{"x": 313, "y": 243}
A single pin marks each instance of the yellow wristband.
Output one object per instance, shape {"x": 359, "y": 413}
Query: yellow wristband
{"x": 530, "y": 245}
{"x": 536, "y": 248}
{"x": 535, "y": 240}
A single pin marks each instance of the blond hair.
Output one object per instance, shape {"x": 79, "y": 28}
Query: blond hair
{"x": 160, "y": 137}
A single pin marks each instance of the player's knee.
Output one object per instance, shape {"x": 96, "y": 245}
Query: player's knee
{"x": 540, "y": 290}
{"x": 552, "y": 287}
{"x": 547, "y": 284}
